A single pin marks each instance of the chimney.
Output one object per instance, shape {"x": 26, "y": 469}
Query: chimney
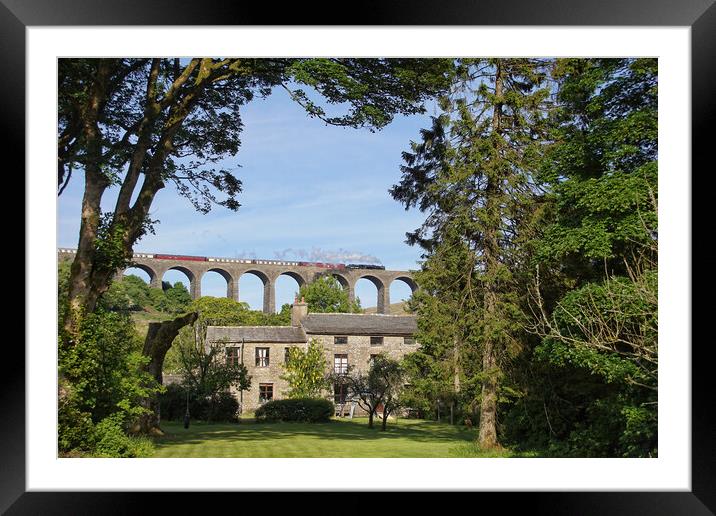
{"x": 298, "y": 311}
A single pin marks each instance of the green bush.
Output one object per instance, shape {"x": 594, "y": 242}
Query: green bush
{"x": 308, "y": 410}
{"x": 75, "y": 427}
{"x": 112, "y": 441}
{"x": 221, "y": 407}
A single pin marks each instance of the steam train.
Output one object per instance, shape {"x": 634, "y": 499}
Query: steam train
{"x": 324, "y": 265}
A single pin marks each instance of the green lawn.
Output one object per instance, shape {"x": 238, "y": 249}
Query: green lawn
{"x": 339, "y": 438}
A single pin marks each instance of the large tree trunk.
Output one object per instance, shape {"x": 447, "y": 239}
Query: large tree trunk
{"x": 487, "y": 435}
{"x": 160, "y": 337}
{"x": 386, "y": 413}
{"x": 89, "y": 277}
{"x": 82, "y": 294}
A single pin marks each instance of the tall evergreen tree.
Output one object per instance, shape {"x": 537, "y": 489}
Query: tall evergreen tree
{"x": 472, "y": 173}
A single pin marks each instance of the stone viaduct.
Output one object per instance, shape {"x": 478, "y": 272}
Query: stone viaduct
{"x": 267, "y": 271}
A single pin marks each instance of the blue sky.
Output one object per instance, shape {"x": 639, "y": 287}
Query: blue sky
{"x": 307, "y": 187}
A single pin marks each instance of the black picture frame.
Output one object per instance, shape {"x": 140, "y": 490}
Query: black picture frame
{"x": 700, "y": 15}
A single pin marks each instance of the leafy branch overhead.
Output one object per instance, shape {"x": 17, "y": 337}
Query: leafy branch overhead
{"x": 141, "y": 124}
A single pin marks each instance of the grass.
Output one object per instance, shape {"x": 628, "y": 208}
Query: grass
{"x": 338, "y": 438}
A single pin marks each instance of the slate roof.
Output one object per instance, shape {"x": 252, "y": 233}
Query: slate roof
{"x": 359, "y": 324}
{"x": 290, "y": 334}
{"x": 318, "y": 324}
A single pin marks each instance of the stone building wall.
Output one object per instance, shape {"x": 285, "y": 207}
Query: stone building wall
{"x": 249, "y": 399}
{"x": 358, "y": 349}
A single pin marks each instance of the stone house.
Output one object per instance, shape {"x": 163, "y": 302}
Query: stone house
{"x": 348, "y": 339}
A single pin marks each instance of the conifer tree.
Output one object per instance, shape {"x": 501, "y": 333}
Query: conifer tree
{"x": 472, "y": 174}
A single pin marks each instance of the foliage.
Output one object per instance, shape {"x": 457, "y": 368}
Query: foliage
{"x": 381, "y": 386}
{"x": 131, "y": 293}
{"x": 112, "y": 441}
{"x": 104, "y": 368}
{"x": 177, "y": 299}
{"x": 326, "y": 295}
{"x": 591, "y": 389}
{"x": 306, "y": 409}
{"x": 223, "y": 407}
{"x": 553, "y": 171}
{"x": 206, "y": 374}
{"x": 102, "y": 387}
{"x": 74, "y": 423}
{"x": 221, "y": 311}
{"x": 473, "y": 173}
{"x": 141, "y": 124}
{"x": 430, "y": 388}
{"x": 605, "y": 335}
{"x": 602, "y": 168}
{"x": 305, "y": 371}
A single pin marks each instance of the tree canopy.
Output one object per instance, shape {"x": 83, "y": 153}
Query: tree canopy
{"x": 140, "y": 124}
{"x": 326, "y": 295}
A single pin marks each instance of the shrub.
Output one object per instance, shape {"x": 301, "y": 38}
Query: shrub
{"x": 112, "y": 441}
{"x": 221, "y": 407}
{"x": 308, "y": 410}
{"x": 75, "y": 427}
{"x": 172, "y": 403}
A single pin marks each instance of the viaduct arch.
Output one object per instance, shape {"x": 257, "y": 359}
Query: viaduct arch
{"x": 267, "y": 271}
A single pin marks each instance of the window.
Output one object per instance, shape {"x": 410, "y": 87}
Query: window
{"x": 376, "y": 341}
{"x": 286, "y": 352}
{"x": 340, "y": 340}
{"x": 372, "y": 357}
{"x": 262, "y": 357}
{"x": 340, "y": 392}
{"x": 265, "y": 392}
{"x": 232, "y": 356}
{"x": 340, "y": 364}
{"x": 409, "y": 341}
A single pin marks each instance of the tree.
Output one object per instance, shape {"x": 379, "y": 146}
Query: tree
{"x": 447, "y": 319}
{"x": 177, "y": 297}
{"x": 390, "y": 375}
{"x": 595, "y": 296}
{"x": 379, "y": 387}
{"x": 305, "y": 371}
{"x": 143, "y": 123}
{"x": 473, "y": 173}
{"x": 102, "y": 376}
{"x": 326, "y": 295}
{"x": 160, "y": 337}
{"x": 206, "y": 374}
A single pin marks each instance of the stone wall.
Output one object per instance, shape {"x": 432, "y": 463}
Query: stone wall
{"x": 358, "y": 349}
{"x": 249, "y": 399}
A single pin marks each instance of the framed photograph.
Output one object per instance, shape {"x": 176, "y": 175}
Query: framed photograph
{"x": 36, "y": 35}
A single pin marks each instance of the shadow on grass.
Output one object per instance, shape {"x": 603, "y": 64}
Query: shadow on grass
{"x": 356, "y": 430}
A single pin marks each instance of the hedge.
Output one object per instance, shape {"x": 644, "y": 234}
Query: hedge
{"x": 307, "y": 410}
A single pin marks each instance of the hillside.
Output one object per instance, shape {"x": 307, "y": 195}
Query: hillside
{"x": 395, "y": 309}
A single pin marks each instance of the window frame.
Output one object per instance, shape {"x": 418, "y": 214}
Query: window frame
{"x": 267, "y": 358}
{"x": 341, "y": 357}
{"x": 380, "y": 337}
{"x": 236, "y": 357}
{"x": 264, "y": 386}
{"x": 336, "y": 337}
